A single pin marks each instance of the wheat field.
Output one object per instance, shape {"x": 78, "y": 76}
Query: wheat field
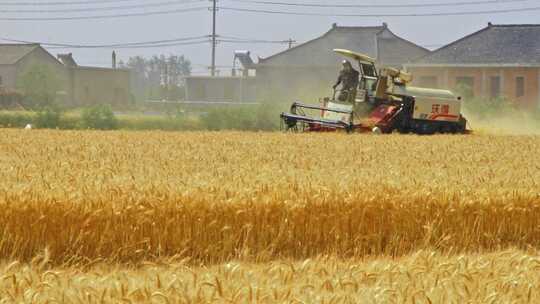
{"x": 94, "y": 204}
{"x": 509, "y": 276}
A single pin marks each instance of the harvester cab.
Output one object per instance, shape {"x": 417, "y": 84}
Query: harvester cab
{"x": 385, "y": 102}
{"x": 368, "y": 74}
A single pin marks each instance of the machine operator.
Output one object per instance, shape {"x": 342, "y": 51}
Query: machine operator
{"x": 349, "y": 80}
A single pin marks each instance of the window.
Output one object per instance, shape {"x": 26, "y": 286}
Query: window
{"x": 429, "y": 82}
{"x": 368, "y": 70}
{"x": 465, "y": 86}
{"x": 495, "y": 86}
{"x": 369, "y": 84}
{"x": 520, "y": 86}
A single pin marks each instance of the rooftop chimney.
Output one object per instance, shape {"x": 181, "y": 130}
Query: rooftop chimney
{"x": 114, "y": 60}
{"x": 67, "y": 59}
{"x": 385, "y": 25}
{"x": 490, "y": 24}
{"x": 334, "y": 25}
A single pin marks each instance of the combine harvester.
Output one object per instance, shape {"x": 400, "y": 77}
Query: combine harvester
{"x": 385, "y": 103}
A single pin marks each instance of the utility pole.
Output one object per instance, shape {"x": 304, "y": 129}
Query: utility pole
{"x": 214, "y": 11}
{"x": 291, "y": 41}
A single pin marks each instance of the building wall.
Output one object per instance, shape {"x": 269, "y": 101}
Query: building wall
{"x": 100, "y": 86}
{"x": 40, "y": 57}
{"x": 306, "y": 84}
{"x": 220, "y": 89}
{"x": 8, "y": 75}
{"x": 446, "y": 78}
{"x": 78, "y": 86}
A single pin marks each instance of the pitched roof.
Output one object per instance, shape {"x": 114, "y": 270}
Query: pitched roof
{"x": 12, "y": 53}
{"x": 515, "y": 44}
{"x": 363, "y": 39}
{"x": 396, "y": 51}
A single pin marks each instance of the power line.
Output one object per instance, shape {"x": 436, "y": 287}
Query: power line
{"x": 281, "y": 12}
{"x": 90, "y": 46}
{"x": 61, "y": 3}
{"x": 253, "y": 41}
{"x": 142, "y": 14}
{"x": 409, "y": 5}
{"x": 143, "y": 46}
{"x": 108, "y": 8}
{"x": 276, "y": 12}
{"x": 238, "y": 39}
{"x": 153, "y": 43}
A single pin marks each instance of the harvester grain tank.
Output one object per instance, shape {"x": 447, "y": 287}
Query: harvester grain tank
{"x": 385, "y": 103}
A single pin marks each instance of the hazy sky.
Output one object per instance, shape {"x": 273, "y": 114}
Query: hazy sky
{"x": 421, "y": 30}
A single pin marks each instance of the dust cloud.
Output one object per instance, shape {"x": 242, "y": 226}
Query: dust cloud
{"x": 513, "y": 123}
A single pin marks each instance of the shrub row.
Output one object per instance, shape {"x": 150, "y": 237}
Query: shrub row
{"x": 252, "y": 118}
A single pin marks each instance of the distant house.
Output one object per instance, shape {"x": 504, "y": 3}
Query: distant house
{"x": 17, "y": 58}
{"x": 497, "y": 61}
{"x": 220, "y": 89}
{"x": 229, "y": 89}
{"x": 79, "y": 85}
{"x": 308, "y": 70}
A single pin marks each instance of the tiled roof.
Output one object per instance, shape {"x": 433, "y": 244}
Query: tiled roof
{"x": 362, "y": 39}
{"x": 516, "y": 44}
{"x": 12, "y": 53}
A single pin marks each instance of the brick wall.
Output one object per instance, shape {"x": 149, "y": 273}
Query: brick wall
{"x": 487, "y": 82}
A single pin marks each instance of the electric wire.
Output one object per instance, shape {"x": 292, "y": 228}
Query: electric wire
{"x": 140, "y": 46}
{"x": 249, "y": 40}
{"x": 155, "y": 43}
{"x": 408, "y": 5}
{"x": 111, "y": 16}
{"x": 107, "y": 8}
{"x": 165, "y": 42}
{"x": 60, "y": 3}
{"x": 462, "y": 13}
{"x": 253, "y": 42}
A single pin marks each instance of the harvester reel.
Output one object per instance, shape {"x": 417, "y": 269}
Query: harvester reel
{"x": 294, "y": 125}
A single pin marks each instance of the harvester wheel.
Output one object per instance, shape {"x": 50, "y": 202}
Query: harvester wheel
{"x": 376, "y": 130}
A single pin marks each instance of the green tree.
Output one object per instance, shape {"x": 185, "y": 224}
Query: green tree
{"x": 48, "y": 117}
{"x": 39, "y": 85}
{"x": 100, "y": 117}
{"x": 158, "y": 77}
